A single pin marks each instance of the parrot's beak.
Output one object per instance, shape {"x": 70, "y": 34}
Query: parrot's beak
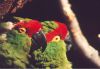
{"x": 39, "y": 40}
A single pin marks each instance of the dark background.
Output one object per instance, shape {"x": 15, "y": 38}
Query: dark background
{"x": 87, "y": 12}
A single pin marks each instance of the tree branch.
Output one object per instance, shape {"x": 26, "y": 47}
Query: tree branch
{"x": 82, "y": 44}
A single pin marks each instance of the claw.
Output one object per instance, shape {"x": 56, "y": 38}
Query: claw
{"x": 39, "y": 40}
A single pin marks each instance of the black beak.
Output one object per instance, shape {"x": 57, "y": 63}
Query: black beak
{"x": 39, "y": 40}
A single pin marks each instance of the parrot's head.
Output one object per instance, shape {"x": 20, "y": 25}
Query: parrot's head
{"x": 54, "y": 56}
{"x": 47, "y": 49}
{"x": 30, "y": 28}
{"x": 33, "y": 29}
{"x": 42, "y": 32}
{"x": 54, "y": 30}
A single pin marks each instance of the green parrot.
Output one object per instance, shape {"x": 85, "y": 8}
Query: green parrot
{"x": 54, "y": 56}
{"x": 24, "y": 46}
{"x": 14, "y": 51}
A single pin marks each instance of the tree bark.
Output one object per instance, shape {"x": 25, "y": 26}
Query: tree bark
{"x": 79, "y": 39}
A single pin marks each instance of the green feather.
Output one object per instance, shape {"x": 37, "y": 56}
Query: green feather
{"x": 49, "y": 26}
{"x": 53, "y": 57}
{"x": 15, "y": 50}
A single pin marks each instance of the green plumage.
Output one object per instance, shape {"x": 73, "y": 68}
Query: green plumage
{"x": 15, "y": 48}
{"x": 53, "y": 57}
{"x": 14, "y": 51}
{"x": 48, "y": 26}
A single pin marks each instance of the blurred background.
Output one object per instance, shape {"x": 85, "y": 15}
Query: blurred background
{"x": 87, "y": 12}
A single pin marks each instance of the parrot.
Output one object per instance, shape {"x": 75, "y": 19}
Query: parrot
{"x": 30, "y": 43}
{"x": 33, "y": 29}
{"x": 14, "y": 48}
{"x": 54, "y": 54}
{"x": 34, "y": 44}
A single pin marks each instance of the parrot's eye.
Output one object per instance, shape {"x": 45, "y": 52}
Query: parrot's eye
{"x": 22, "y": 30}
{"x": 56, "y": 39}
